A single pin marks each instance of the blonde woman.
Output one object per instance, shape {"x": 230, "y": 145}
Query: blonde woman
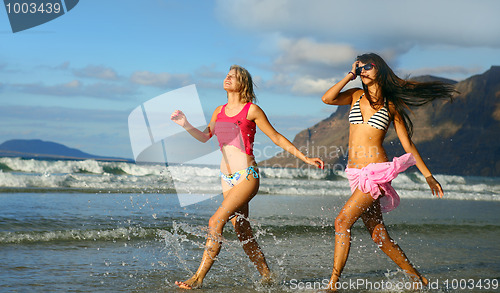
{"x": 234, "y": 124}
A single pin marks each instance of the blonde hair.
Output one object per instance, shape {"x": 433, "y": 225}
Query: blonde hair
{"x": 245, "y": 82}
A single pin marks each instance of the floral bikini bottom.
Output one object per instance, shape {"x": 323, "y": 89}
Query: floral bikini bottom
{"x": 231, "y": 179}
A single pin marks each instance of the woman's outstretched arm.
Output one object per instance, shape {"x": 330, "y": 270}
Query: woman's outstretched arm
{"x": 410, "y": 147}
{"x": 257, "y": 114}
{"x": 203, "y": 136}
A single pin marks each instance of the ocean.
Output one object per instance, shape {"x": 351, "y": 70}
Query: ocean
{"x": 95, "y": 226}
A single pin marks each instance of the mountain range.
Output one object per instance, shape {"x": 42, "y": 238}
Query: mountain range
{"x": 36, "y": 148}
{"x": 460, "y": 138}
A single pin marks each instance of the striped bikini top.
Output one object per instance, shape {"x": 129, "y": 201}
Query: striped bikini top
{"x": 379, "y": 120}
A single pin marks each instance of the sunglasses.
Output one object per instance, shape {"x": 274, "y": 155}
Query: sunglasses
{"x": 366, "y": 68}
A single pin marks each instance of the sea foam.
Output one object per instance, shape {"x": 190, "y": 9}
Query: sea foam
{"x": 100, "y": 176}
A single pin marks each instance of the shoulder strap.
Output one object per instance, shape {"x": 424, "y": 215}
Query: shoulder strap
{"x": 222, "y": 110}
{"x": 244, "y": 111}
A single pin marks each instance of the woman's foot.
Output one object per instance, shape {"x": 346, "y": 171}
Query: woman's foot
{"x": 419, "y": 283}
{"x": 333, "y": 281}
{"x": 192, "y": 283}
{"x": 329, "y": 289}
{"x": 268, "y": 279}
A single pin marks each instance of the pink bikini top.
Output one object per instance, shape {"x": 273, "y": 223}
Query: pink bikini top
{"x": 237, "y": 130}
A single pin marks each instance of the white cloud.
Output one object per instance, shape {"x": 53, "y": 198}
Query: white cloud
{"x": 305, "y": 85}
{"x": 304, "y": 66}
{"x": 37, "y": 114}
{"x": 313, "y": 42}
{"x": 109, "y": 91}
{"x": 368, "y": 23}
{"x": 312, "y": 86}
{"x": 305, "y": 51}
{"x": 298, "y": 85}
{"x": 72, "y": 84}
{"x": 63, "y": 66}
{"x": 99, "y": 72}
{"x": 210, "y": 71}
{"x": 77, "y": 88}
{"x": 64, "y": 89}
{"x": 163, "y": 79}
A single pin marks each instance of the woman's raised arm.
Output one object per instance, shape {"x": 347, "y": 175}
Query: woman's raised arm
{"x": 334, "y": 97}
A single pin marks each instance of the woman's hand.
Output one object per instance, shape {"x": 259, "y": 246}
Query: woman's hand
{"x": 435, "y": 186}
{"x": 354, "y": 66}
{"x": 315, "y": 162}
{"x": 179, "y": 118}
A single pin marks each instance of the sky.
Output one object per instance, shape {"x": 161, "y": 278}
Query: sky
{"x": 76, "y": 79}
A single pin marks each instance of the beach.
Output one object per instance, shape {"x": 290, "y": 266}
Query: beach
{"x": 89, "y": 226}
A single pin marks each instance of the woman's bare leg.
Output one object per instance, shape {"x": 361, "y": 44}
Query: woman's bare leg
{"x": 250, "y": 245}
{"x": 234, "y": 200}
{"x": 355, "y": 206}
{"x": 375, "y": 224}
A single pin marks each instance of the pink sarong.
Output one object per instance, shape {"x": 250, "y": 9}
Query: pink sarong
{"x": 376, "y": 176}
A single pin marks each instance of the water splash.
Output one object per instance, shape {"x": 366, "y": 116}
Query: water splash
{"x": 185, "y": 243}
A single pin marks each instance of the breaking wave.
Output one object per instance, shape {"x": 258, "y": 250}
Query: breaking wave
{"x": 31, "y": 175}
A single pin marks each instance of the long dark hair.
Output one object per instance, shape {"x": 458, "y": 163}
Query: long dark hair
{"x": 404, "y": 93}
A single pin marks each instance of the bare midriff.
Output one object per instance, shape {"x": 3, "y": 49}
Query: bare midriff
{"x": 365, "y": 146}
{"x": 233, "y": 160}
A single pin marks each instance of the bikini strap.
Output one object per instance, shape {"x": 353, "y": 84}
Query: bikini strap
{"x": 251, "y": 170}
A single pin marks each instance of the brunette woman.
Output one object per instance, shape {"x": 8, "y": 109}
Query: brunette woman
{"x": 383, "y": 99}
